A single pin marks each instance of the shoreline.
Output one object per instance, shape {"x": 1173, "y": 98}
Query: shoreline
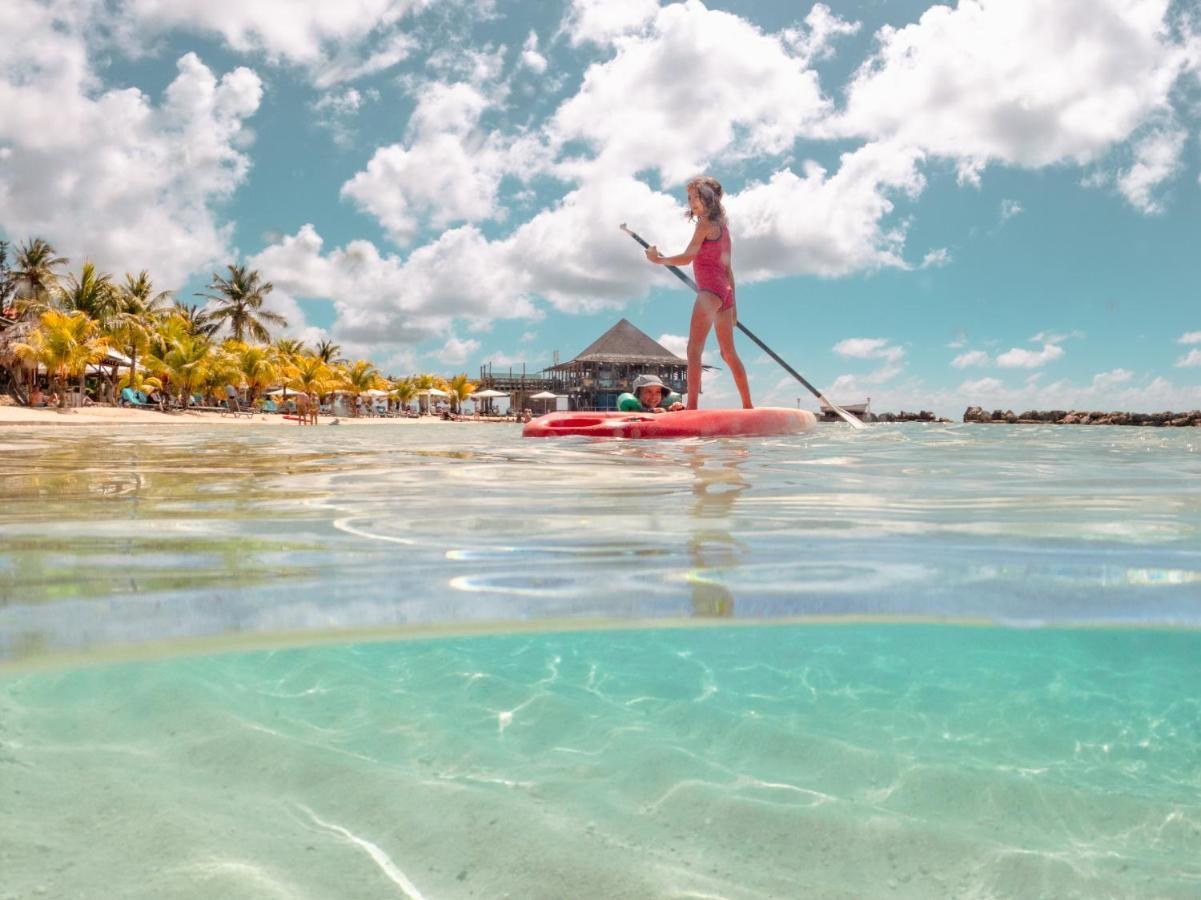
{"x": 29, "y": 417}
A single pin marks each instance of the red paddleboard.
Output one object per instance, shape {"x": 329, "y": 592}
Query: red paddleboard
{"x": 685, "y": 423}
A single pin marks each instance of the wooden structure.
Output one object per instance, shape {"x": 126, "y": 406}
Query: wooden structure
{"x": 594, "y": 378}
{"x": 520, "y": 386}
{"x": 609, "y": 365}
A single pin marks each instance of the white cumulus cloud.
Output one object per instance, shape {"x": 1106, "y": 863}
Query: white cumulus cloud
{"x": 1018, "y": 82}
{"x": 111, "y": 174}
{"x": 447, "y": 170}
{"x": 336, "y": 110}
{"x": 456, "y": 351}
{"x": 1157, "y": 157}
{"x": 385, "y": 300}
{"x": 1021, "y": 358}
{"x": 980, "y": 386}
{"x": 824, "y": 224}
{"x": 970, "y": 358}
{"x": 305, "y": 32}
{"x": 1190, "y": 359}
{"x": 868, "y": 348}
{"x": 815, "y": 41}
{"x": 638, "y": 110}
{"x": 530, "y": 57}
{"x": 601, "y": 21}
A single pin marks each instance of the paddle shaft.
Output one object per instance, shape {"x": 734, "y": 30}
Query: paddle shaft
{"x": 754, "y": 337}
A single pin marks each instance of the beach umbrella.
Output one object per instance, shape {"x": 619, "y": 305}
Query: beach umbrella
{"x": 487, "y": 396}
{"x": 544, "y": 395}
{"x": 435, "y": 392}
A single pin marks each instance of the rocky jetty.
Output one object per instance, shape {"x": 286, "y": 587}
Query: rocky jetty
{"x": 924, "y": 416}
{"x": 1080, "y": 417}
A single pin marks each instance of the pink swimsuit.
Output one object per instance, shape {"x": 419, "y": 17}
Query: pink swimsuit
{"x": 710, "y": 272}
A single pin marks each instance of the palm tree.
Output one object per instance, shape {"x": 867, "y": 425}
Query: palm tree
{"x": 290, "y": 349}
{"x": 194, "y": 317}
{"x": 33, "y": 277}
{"x": 327, "y": 351}
{"x": 287, "y": 352}
{"x": 239, "y": 303}
{"x": 66, "y": 344}
{"x": 257, "y": 366}
{"x": 136, "y": 309}
{"x": 223, "y": 367}
{"x": 92, "y": 293}
{"x": 404, "y": 390}
{"x": 7, "y": 285}
{"x": 460, "y": 388}
{"x": 359, "y": 377}
{"x": 309, "y": 375}
{"x": 184, "y": 364}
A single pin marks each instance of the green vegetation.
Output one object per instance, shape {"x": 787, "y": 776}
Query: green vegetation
{"x": 71, "y": 326}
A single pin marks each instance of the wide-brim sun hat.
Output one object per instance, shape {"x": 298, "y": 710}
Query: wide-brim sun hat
{"x": 645, "y": 381}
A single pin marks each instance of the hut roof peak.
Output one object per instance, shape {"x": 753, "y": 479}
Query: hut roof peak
{"x": 625, "y": 342}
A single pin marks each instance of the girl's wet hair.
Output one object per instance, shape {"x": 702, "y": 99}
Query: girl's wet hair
{"x": 710, "y": 192}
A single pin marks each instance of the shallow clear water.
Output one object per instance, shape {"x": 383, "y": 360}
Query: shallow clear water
{"x": 853, "y": 747}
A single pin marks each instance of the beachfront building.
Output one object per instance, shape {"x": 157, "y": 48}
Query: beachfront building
{"x": 598, "y": 375}
{"x": 609, "y": 365}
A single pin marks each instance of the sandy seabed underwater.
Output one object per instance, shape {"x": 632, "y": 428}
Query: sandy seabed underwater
{"x": 697, "y": 669}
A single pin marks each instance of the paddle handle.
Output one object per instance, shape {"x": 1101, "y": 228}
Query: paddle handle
{"x": 754, "y": 337}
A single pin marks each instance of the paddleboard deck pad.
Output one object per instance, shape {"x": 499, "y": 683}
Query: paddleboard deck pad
{"x": 763, "y": 422}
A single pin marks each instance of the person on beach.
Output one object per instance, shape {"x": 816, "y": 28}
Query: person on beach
{"x": 651, "y": 395}
{"x": 710, "y": 254}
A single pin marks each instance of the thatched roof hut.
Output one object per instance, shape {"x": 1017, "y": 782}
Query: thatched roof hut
{"x": 595, "y": 377}
{"x": 624, "y": 344}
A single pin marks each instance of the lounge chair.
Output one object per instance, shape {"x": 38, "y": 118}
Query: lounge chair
{"x": 198, "y": 404}
{"x": 235, "y": 407}
{"x": 134, "y": 398}
{"x": 270, "y": 407}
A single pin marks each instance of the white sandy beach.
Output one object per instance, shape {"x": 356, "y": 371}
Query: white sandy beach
{"x": 22, "y": 416}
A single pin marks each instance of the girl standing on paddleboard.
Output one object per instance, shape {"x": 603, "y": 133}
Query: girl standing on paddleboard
{"x": 709, "y": 252}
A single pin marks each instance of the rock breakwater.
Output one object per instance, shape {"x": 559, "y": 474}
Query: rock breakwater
{"x": 924, "y": 416}
{"x": 1081, "y": 417}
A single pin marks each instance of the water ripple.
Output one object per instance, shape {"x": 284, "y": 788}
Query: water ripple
{"x": 184, "y": 534}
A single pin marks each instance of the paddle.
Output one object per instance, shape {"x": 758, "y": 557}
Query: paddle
{"x": 851, "y": 420}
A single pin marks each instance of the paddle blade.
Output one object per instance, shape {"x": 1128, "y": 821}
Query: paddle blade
{"x": 835, "y": 408}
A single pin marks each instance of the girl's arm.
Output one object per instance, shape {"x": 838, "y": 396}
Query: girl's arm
{"x": 682, "y": 259}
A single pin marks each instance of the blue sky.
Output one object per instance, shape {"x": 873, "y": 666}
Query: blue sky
{"x": 990, "y": 202}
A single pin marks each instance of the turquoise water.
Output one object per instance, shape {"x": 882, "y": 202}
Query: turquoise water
{"x": 916, "y": 662}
